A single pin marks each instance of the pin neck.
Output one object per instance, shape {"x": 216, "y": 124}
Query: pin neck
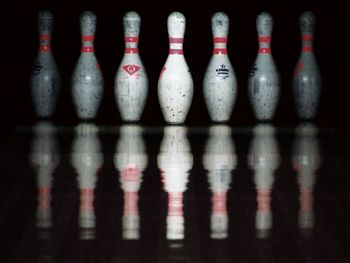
{"x": 219, "y": 203}
{"x": 307, "y": 43}
{"x": 130, "y": 203}
{"x": 86, "y": 199}
{"x": 45, "y": 42}
{"x": 263, "y": 200}
{"x": 87, "y": 43}
{"x": 175, "y": 204}
{"x": 176, "y": 46}
{"x": 220, "y": 44}
{"x": 131, "y": 44}
{"x": 264, "y": 43}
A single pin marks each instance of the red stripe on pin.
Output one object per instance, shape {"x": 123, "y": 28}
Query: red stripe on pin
{"x": 173, "y": 51}
{"x": 307, "y": 37}
{"x": 45, "y": 37}
{"x": 265, "y": 50}
{"x": 87, "y": 49}
{"x": 220, "y": 39}
{"x": 307, "y": 49}
{"x": 87, "y": 38}
{"x": 45, "y": 48}
{"x": 131, "y": 39}
{"x": 220, "y": 51}
{"x": 131, "y": 50}
{"x": 178, "y": 40}
{"x": 264, "y": 39}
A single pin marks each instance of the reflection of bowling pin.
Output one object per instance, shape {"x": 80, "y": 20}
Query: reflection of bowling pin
{"x": 130, "y": 159}
{"x": 263, "y": 158}
{"x": 264, "y": 79}
{"x": 306, "y": 160}
{"x": 45, "y": 79}
{"x": 307, "y": 78}
{"x": 131, "y": 82}
{"x": 44, "y": 158}
{"x": 87, "y": 80}
{"x": 175, "y": 85}
{"x": 219, "y": 159}
{"x": 220, "y": 83}
{"x": 174, "y": 161}
{"x": 86, "y": 158}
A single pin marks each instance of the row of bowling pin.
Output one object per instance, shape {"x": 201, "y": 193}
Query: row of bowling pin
{"x": 175, "y": 161}
{"x": 175, "y": 85}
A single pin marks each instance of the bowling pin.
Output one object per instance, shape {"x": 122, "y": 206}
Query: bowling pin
{"x": 264, "y": 159}
{"x": 45, "y": 79}
{"x": 44, "y": 158}
{"x": 306, "y": 161}
{"x": 219, "y": 160}
{"x": 87, "y": 159}
{"x": 131, "y": 82}
{"x": 175, "y": 85}
{"x": 220, "y": 83}
{"x": 175, "y": 160}
{"x": 307, "y": 77}
{"x": 87, "y": 80}
{"x": 130, "y": 159}
{"x": 264, "y": 80}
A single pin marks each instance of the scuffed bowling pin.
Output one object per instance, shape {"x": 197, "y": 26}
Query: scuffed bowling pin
{"x": 87, "y": 159}
{"x": 87, "y": 80}
{"x": 307, "y": 77}
{"x": 175, "y": 85}
{"x": 130, "y": 159}
{"x": 219, "y": 160}
{"x": 45, "y": 79}
{"x": 220, "y": 83}
{"x": 264, "y": 80}
{"x": 264, "y": 159}
{"x": 306, "y": 161}
{"x": 175, "y": 160}
{"x": 131, "y": 82}
{"x": 44, "y": 158}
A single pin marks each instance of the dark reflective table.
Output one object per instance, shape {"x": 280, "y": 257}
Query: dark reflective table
{"x": 174, "y": 194}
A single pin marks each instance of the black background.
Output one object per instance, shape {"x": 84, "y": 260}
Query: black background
{"x": 21, "y": 38}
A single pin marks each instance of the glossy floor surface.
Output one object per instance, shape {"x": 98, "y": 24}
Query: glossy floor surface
{"x": 174, "y": 194}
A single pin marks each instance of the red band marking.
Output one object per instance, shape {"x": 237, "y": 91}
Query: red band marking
{"x": 175, "y": 206}
{"x": 45, "y": 37}
{"x": 173, "y": 51}
{"x": 219, "y": 203}
{"x": 264, "y": 50}
{"x": 130, "y": 203}
{"x": 131, "y": 39}
{"x": 265, "y": 39}
{"x": 306, "y": 199}
{"x": 87, "y": 38}
{"x": 220, "y": 51}
{"x": 264, "y": 200}
{"x": 220, "y": 39}
{"x": 44, "y": 190}
{"x": 131, "y": 174}
{"x": 131, "y": 50}
{"x": 306, "y": 49}
{"x": 45, "y": 48}
{"x": 87, "y": 49}
{"x": 177, "y": 40}
{"x": 307, "y": 37}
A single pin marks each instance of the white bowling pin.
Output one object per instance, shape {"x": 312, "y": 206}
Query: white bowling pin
{"x": 130, "y": 159}
{"x": 264, "y": 159}
{"x": 44, "y": 158}
{"x": 174, "y": 161}
{"x": 307, "y": 78}
{"x": 306, "y": 161}
{"x": 220, "y": 83}
{"x": 264, "y": 80}
{"x": 175, "y": 85}
{"x": 219, "y": 160}
{"x": 131, "y": 82}
{"x": 87, "y": 80}
{"x": 86, "y": 158}
{"x": 45, "y": 79}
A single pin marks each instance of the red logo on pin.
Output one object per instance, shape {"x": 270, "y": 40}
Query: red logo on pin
{"x": 131, "y": 69}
